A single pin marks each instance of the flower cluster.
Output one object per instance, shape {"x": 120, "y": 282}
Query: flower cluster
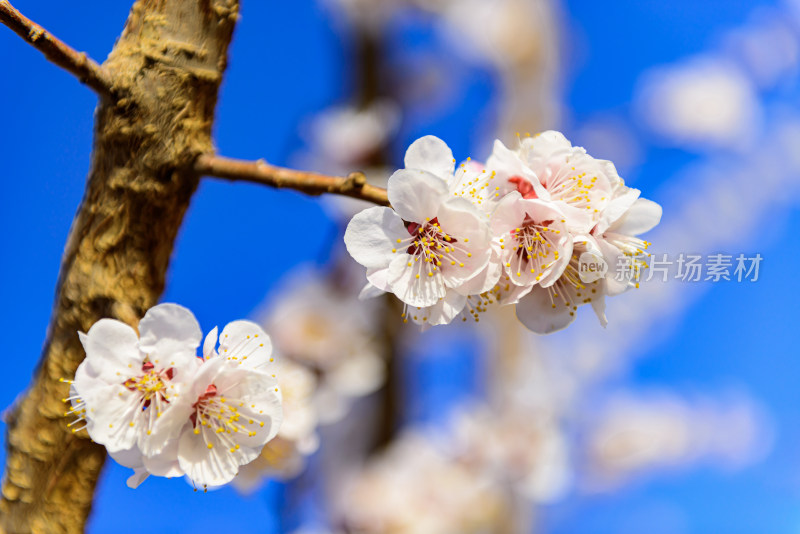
{"x": 513, "y": 231}
{"x": 161, "y": 410}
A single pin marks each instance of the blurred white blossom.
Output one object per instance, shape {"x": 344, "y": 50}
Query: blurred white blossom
{"x": 523, "y": 449}
{"x": 706, "y": 101}
{"x": 328, "y": 330}
{"x": 414, "y": 488}
{"x": 634, "y": 433}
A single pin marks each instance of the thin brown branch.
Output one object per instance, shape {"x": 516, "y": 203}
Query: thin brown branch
{"x": 259, "y": 172}
{"x": 86, "y": 69}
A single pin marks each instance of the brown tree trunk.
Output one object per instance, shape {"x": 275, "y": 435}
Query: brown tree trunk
{"x": 166, "y": 68}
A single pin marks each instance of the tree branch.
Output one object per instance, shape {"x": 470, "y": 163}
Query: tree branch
{"x": 170, "y": 61}
{"x": 86, "y": 69}
{"x": 260, "y": 172}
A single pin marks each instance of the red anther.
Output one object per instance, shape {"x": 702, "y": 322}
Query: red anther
{"x": 147, "y": 366}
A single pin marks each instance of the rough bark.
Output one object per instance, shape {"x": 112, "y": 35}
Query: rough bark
{"x": 166, "y": 69}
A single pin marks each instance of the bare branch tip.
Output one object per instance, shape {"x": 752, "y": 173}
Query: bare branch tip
{"x": 77, "y": 63}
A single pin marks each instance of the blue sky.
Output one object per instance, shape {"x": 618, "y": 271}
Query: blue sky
{"x": 288, "y": 61}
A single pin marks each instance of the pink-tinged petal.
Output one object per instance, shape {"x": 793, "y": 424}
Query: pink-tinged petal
{"x": 536, "y": 225}
{"x": 111, "y": 346}
{"x": 545, "y": 144}
{"x": 370, "y": 291}
{"x": 642, "y": 216}
{"x": 210, "y": 343}
{"x": 514, "y": 174}
{"x": 505, "y": 162}
{"x": 599, "y": 307}
{"x": 245, "y": 343}
{"x": 624, "y": 198}
{"x": 170, "y": 333}
{"x": 136, "y": 479}
{"x": 610, "y": 171}
{"x": 578, "y": 220}
{"x": 611, "y": 254}
{"x": 537, "y": 313}
{"x": 372, "y": 234}
{"x": 431, "y": 154}
{"x": 415, "y": 194}
{"x": 412, "y": 284}
{"x": 507, "y": 214}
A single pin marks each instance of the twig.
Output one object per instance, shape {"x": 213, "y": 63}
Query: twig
{"x": 259, "y": 172}
{"x": 86, "y": 69}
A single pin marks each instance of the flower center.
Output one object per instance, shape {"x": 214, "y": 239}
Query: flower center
{"x": 151, "y": 384}
{"x": 432, "y": 246}
{"x": 533, "y": 246}
{"x": 220, "y": 416}
{"x": 573, "y": 187}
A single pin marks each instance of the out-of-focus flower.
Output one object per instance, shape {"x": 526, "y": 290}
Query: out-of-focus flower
{"x": 767, "y": 46}
{"x": 306, "y": 321}
{"x": 346, "y": 136}
{"x": 284, "y": 456}
{"x": 635, "y": 433}
{"x": 700, "y": 103}
{"x": 524, "y": 449}
{"x": 414, "y": 488}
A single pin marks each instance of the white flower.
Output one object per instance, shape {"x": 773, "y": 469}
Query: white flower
{"x": 236, "y": 406}
{"x": 548, "y": 167}
{"x": 431, "y": 241}
{"x": 549, "y": 309}
{"x": 477, "y": 184}
{"x": 132, "y": 389}
{"x": 297, "y": 438}
{"x": 626, "y": 217}
{"x": 533, "y": 239}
